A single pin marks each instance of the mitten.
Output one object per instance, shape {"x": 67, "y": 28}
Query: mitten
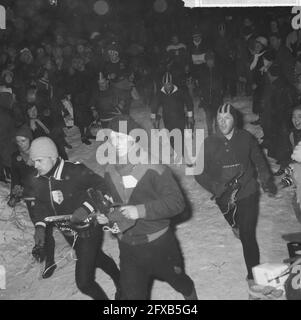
{"x": 79, "y": 216}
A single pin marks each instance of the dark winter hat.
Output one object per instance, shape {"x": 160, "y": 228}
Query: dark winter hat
{"x": 117, "y": 124}
{"x": 227, "y": 108}
{"x": 209, "y": 55}
{"x": 196, "y": 32}
{"x": 262, "y": 40}
{"x": 167, "y": 78}
{"x": 24, "y": 131}
{"x": 274, "y": 70}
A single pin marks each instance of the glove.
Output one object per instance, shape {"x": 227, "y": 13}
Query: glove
{"x": 38, "y": 253}
{"x": 39, "y": 236}
{"x": 13, "y": 200}
{"x": 123, "y": 223}
{"x": 270, "y": 188}
{"x": 79, "y": 216}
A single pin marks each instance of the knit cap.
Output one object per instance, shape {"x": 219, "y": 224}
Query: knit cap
{"x": 24, "y": 131}
{"x": 43, "y": 147}
{"x": 228, "y": 108}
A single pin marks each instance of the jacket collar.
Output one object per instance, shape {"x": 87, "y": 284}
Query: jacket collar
{"x": 56, "y": 171}
{"x": 175, "y": 88}
{"x": 220, "y": 135}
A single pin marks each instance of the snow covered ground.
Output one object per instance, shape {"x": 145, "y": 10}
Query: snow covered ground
{"x": 213, "y": 257}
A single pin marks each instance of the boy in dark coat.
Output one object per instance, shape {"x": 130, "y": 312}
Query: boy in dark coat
{"x": 230, "y": 153}
{"x": 61, "y": 188}
{"x": 150, "y": 197}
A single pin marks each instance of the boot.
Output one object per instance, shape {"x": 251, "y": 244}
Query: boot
{"x": 192, "y": 296}
{"x": 50, "y": 267}
{"x": 235, "y": 231}
{"x": 86, "y": 141}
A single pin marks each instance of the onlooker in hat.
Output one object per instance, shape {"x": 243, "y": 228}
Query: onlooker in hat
{"x": 176, "y": 104}
{"x": 196, "y": 51}
{"x": 7, "y": 131}
{"x": 176, "y": 56}
{"x": 225, "y": 58}
{"x": 277, "y": 104}
{"x": 243, "y": 57}
{"x": 45, "y": 122}
{"x": 81, "y": 90}
{"x": 293, "y": 42}
{"x": 150, "y": 197}
{"x": 25, "y": 68}
{"x": 211, "y": 90}
{"x": 22, "y": 171}
{"x": 234, "y": 152}
{"x": 104, "y": 100}
{"x": 259, "y": 63}
{"x": 288, "y": 143}
{"x": 283, "y": 58}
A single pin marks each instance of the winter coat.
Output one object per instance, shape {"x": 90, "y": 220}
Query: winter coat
{"x": 224, "y": 158}
{"x": 154, "y": 192}
{"x": 64, "y": 189}
{"x": 7, "y": 134}
{"x": 22, "y": 174}
{"x": 196, "y": 53}
{"x": 286, "y": 61}
{"x": 103, "y": 101}
{"x": 211, "y": 87}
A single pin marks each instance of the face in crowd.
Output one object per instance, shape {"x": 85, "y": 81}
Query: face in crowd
{"x": 43, "y": 164}
{"x": 296, "y": 119}
{"x": 275, "y": 42}
{"x": 225, "y": 123}
{"x": 175, "y": 40}
{"x": 23, "y": 143}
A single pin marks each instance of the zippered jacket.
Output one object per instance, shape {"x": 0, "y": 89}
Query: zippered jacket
{"x": 64, "y": 189}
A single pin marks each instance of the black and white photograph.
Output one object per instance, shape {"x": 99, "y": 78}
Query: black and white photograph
{"x": 149, "y": 150}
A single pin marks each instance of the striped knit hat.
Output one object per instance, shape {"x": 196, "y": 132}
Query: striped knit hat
{"x": 167, "y": 78}
{"x": 228, "y": 108}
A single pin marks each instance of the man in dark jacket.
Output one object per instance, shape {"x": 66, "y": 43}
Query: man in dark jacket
{"x": 61, "y": 188}
{"x": 283, "y": 58}
{"x": 7, "y": 131}
{"x": 173, "y": 101}
{"x": 150, "y": 197}
{"x": 196, "y": 51}
{"x": 232, "y": 153}
{"x": 211, "y": 90}
{"x": 277, "y": 106}
{"x": 104, "y": 101}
